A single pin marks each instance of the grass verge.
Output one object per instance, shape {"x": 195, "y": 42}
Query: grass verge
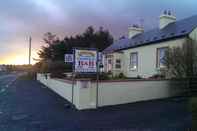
{"x": 28, "y": 76}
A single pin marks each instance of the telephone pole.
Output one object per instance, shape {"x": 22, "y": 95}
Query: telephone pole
{"x": 30, "y": 50}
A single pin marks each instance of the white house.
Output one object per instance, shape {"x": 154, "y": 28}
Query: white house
{"x": 142, "y": 52}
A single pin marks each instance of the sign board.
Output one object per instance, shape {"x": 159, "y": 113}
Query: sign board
{"x": 100, "y": 56}
{"x": 68, "y": 58}
{"x": 85, "y": 61}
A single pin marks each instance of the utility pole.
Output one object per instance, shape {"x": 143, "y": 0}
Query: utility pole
{"x": 30, "y": 50}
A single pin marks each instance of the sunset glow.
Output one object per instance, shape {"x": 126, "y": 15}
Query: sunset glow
{"x": 23, "y": 18}
{"x": 18, "y": 59}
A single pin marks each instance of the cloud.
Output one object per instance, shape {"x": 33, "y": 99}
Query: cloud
{"x": 22, "y": 18}
{"x": 51, "y": 8}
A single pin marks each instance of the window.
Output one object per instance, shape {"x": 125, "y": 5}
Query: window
{"x": 134, "y": 60}
{"x": 109, "y": 61}
{"x": 161, "y": 52}
{"x": 109, "y": 64}
{"x": 118, "y": 63}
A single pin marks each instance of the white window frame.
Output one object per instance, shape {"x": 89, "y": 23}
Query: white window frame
{"x": 133, "y": 63}
{"x": 159, "y": 56}
{"x": 118, "y": 64}
{"x": 109, "y": 64}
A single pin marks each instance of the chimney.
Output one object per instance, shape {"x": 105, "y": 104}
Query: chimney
{"x": 134, "y": 30}
{"x": 165, "y": 19}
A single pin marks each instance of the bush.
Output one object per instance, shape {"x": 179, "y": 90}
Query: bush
{"x": 52, "y": 67}
{"x": 157, "y": 76}
{"x": 57, "y": 75}
{"x": 59, "y": 66}
{"x": 28, "y": 76}
{"x": 102, "y": 76}
{"x": 139, "y": 77}
{"x": 121, "y": 76}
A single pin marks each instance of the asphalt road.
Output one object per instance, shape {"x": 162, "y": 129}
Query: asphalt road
{"x": 27, "y": 105}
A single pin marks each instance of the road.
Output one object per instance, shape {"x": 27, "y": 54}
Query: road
{"x": 26, "y": 105}
{"x": 6, "y": 80}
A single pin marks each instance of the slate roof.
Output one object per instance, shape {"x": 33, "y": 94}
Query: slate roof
{"x": 174, "y": 30}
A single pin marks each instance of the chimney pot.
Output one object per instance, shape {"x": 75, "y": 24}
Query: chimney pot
{"x": 134, "y": 30}
{"x": 165, "y": 19}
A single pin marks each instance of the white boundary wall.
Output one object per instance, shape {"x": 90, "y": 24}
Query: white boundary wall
{"x": 82, "y": 96}
{"x": 62, "y": 88}
{"x": 113, "y": 92}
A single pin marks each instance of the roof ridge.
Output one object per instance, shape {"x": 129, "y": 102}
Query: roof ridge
{"x": 177, "y": 29}
{"x": 184, "y": 19}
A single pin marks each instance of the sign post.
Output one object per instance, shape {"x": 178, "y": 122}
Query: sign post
{"x": 97, "y": 80}
{"x": 85, "y": 62}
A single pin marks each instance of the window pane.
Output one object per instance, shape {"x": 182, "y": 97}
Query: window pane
{"x": 161, "y": 52}
{"x": 118, "y": 63}
{"x": 109, "y": 61}
{"x": 133, "y": 60}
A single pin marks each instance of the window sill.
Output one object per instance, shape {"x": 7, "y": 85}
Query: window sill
{"x": 117, "y": 69}
{"x": 160, "y": 68}
{"x": 133, "y": 69}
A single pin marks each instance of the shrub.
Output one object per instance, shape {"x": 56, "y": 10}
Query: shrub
{"x": 102, "y": 76}
{"x": 59, "y": 66}
{"x": 139, "y": 77}
{"x": 57, "y": 75}
{"x": 52, "y": 67}
{"x": 121, "y": 76}
{"x": 28, "y": 76}
{"x": 157, "y": 76}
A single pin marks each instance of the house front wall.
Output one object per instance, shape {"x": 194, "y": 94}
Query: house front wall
{"x": 112, "y": 67}
{"x": 193, "y": 34}
{"x": 147, "y": 58}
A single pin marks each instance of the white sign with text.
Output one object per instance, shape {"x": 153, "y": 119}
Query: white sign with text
{"x": 85, "y": 61}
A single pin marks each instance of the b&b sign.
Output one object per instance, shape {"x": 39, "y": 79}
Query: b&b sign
{"x": 68, "y": 58}
{"x": 85, "y": 61}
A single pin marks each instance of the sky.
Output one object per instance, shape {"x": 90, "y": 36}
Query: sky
{"x": 23, "y": 18}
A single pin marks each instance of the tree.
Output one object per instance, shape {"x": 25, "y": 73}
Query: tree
{"x": 50, "y": 38}
{"x": 55, "y": 48}
{"x": 181, "y": 61}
